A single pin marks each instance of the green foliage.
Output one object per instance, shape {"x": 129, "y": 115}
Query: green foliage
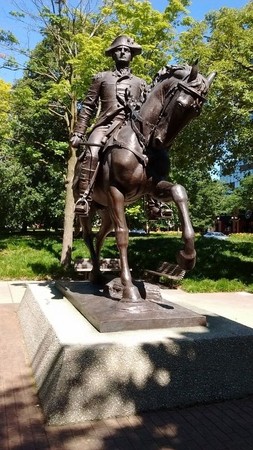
{"x": 206, "y": 196}
{"x": 152, "y": 29}
{"x": 207, "y": 203}
{"x": 58, "y": 72}
{"x": 221, "y": 265}
{"x": 224, "y": 43}
{"x": 14, "y": 189}
{"x": 241, "y": 198}
{"x": 5, "y": 95}
{"x": 135, "y": 215}
{"x": 245, "y": 193}
{"x": 25, "y": 201}
{"x": 208, "y": 285}
{"x": 7, "y": 37}
{"x": 43, "y": 104}
{"x": 34, "y": 164}
{"x": 30, "y": 257}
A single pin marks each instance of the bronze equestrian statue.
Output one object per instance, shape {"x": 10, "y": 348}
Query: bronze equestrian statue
{"x": 134, "y": 162}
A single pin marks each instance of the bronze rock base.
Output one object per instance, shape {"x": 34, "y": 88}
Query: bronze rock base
{"x": 105, "y": 310}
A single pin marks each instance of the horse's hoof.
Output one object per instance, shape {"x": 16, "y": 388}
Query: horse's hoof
{"x": 185, "y": 261}
{"x": 131, "y": 295}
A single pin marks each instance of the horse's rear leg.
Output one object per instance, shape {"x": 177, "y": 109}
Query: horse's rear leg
{"x": 116, "y": 208}
{"x": 105, "y": 228}
{"x": 88, "y": 237}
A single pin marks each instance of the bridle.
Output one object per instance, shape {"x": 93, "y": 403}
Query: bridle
{"x": 177, "y": 86}
{"x": 170, "y": 94}
{"x": 192, "y": 91}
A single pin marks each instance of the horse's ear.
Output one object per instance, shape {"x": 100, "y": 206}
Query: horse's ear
{"x": 210, "y": 78}
{"x": 194, "y": 71}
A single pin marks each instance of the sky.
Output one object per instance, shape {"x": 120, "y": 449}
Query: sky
{"x": 197, "y": 9}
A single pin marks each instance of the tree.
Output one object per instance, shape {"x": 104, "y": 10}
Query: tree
{"x": 223, "y": 133}
{"x": 5, "y": 95}
{"x": 135, "y": 215}
{"x": 206, "y": 196}
{"x": 208, "y": 203}
{"x": 17, "y": 199}
{"x": 36, "y": 144}
{"x": 241, "y": 199}
{"x": 28, "y": 179}
{"x": 245, "y": 193}
{"x": 60, "y": 68}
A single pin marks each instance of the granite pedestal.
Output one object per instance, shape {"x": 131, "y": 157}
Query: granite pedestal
{"x": 82, "y": 374}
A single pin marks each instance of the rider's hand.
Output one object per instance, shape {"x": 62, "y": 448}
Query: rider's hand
{"x": 76, "y": 139}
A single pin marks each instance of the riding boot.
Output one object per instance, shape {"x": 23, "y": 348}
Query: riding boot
{"x": 85, "y": 186}
{"x": 157, "y": 210}
{"x": 153, "y": 208}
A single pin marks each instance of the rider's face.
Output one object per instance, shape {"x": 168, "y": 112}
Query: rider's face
{"x": 122, "y": 55}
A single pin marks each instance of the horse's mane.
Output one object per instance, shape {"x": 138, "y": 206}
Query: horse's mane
{"x": 180, "y": 72}
{"x": 167, "y": 72}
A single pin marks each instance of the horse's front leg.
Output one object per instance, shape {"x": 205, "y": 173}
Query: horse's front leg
{"x": 186, "y": 258}
{"x": 116, "y": 208}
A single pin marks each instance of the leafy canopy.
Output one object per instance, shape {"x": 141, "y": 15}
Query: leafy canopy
{"x": 224, "y": 43}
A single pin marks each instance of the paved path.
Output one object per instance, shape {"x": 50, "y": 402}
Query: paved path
{"x": 221, "y": 426}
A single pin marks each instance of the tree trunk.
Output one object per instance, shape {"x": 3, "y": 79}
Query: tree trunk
{"x": 68, "y": 212}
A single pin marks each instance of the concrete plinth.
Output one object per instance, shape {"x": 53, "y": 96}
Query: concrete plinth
{"x": 82, "y": 374}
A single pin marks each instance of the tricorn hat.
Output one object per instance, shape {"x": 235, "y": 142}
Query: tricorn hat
{"x": 126, "y": 41}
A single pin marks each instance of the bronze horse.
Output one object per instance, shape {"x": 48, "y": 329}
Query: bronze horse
{"x": 135, "y": 163}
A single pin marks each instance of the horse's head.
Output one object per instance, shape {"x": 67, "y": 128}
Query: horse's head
{"x": 178, "y": 97}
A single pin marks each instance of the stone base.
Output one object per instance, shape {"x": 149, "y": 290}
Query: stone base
{"x": 82, "y": 374}
{"x": 104, "y": 309}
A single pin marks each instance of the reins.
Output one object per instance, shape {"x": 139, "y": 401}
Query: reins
{"x": 143, "y": 141}
{"x": 168, "y": 97}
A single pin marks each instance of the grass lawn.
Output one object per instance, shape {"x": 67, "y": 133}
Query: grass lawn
{"x": 221, "y": 265}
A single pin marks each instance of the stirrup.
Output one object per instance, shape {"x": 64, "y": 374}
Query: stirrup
{"x": 82, "y": 207}
{"x": 153, "y": 213}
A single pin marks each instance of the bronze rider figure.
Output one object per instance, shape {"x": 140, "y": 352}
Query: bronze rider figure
{"x": 112, "y": 92}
